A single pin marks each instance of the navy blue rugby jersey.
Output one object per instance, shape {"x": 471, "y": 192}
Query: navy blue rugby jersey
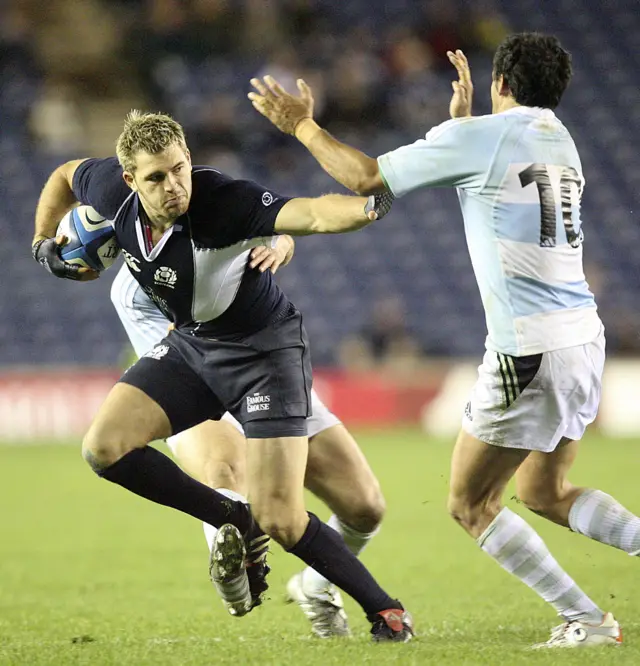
{"x": 198, "y": 274}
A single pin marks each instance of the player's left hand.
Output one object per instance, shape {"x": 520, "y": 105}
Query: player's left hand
{"x": 46, "y": 251}
{"x": 269, "y": 258}
{"x": 460, "y": 105}
{"x": 285, "y": 111}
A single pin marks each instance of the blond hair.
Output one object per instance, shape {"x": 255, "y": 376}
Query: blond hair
{"x": 148, "y": 132}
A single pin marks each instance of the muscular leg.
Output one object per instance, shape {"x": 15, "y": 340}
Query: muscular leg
{"x": 116, "y": 447}
{"x": 127, "y": 420}
{"x": 543, "y": 487}
{"x": 275, "y": 471}
{"x": 479, "y": 474}
{"x": 275, "y": 475}
{"x": 339, "y": 475}
{"x": 337, "y": 472}
{"x": 213, "y": 452}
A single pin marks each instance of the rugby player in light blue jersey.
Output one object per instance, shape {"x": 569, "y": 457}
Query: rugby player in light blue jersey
{"x": 519, "y": 181}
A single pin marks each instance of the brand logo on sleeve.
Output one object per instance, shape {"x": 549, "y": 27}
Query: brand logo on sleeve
{"x": 158, "y": 352}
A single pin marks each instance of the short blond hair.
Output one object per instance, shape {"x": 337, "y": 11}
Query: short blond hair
{"x": 148, "y": 132}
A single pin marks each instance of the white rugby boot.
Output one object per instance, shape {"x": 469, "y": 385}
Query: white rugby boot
{"x": 580, "y": 634}
{"x": 325, "y": 610}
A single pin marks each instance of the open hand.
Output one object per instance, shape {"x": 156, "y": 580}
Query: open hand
{"x": 460, "y": 105}
{"x": 270, "y": 258}
{"x": 285, "y": 111}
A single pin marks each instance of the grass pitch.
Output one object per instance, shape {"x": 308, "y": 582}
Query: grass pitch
{"x": 90, "y": 574}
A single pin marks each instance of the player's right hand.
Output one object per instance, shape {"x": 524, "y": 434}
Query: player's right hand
{"x": 460, "y": 105}
{"x": 46, "y": 252}
{"x": 285, "y": 111}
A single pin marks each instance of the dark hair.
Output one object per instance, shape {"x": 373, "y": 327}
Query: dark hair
{"x": 535, "y": 67}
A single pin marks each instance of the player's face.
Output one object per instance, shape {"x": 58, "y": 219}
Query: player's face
{"x": 163, "y": 183}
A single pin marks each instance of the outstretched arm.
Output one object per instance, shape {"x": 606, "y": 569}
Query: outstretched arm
{"x": 350, "y": 167}
{"x": 331, "y": 214}
{"x": 293, "y": 115}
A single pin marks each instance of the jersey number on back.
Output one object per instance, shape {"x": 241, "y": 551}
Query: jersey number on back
{"x": 569, "y": 178}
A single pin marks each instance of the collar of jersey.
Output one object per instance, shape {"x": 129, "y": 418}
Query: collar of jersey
{"x": 529, "y": 111}
{"x": 157, "y": 248}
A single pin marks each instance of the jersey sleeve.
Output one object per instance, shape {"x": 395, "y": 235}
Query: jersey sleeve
{"x": 249, "y": 208}
{"x": 453, "y": 154}
{"x": 99, "y": 183}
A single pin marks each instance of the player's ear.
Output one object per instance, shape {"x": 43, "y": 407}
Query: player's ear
{"x": 502, "y": 86}
{"x": 187, "y": 152}
{"x": 129, "y": 180}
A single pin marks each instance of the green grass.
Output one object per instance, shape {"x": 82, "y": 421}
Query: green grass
{"x": 90, "y": 574}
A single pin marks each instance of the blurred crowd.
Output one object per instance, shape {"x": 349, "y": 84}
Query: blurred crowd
{"x": 378, "y": 70}
{"x": 96, "y": 59}
{"x": 193, "y": 57}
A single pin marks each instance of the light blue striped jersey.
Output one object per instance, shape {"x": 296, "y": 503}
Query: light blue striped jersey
{"x": 519, "y": 182}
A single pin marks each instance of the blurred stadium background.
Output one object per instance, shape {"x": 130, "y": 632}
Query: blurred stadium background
{"x": 87, "y": 573}
{"x": 398, "y": 300}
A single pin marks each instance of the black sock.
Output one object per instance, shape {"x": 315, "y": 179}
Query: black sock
{"x": 149, "y": 473}
{"x": 323, "y": 549}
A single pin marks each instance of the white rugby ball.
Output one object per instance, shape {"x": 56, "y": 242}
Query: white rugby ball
{"x": 92, "y": 240}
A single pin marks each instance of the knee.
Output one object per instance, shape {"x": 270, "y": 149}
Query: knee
{"x": 220, "y": 474}
{"x": 366, "y": 512}
{"x": 282, "y": 525}
{"x": 101, "y": 449}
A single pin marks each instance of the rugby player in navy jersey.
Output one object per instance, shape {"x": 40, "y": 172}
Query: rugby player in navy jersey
{"x": 239, "y": 344}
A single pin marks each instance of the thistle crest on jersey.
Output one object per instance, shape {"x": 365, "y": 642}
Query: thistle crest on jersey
{"x": 165, "y": 276}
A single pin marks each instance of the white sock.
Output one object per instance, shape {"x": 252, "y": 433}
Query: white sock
{"x": 209, "y": 530}
{"x": 518, "y": 549}
{"x": 312, "y": 581}
{"x": 601, "y": 517}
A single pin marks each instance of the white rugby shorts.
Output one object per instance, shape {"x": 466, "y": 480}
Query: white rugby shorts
{"x": 146, "y": 326}
{"x": 532, "y": 402}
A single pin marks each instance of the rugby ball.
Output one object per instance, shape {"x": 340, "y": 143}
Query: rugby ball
{"x": 92, "y": 240}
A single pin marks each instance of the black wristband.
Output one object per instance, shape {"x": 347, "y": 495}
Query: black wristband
{"x": 379, "y": 203}
{"x": 35, "y": 247}
{"x": 47, "y": 253}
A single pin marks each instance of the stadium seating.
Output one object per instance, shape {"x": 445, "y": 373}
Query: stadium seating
{"x": 418, "y": 253}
